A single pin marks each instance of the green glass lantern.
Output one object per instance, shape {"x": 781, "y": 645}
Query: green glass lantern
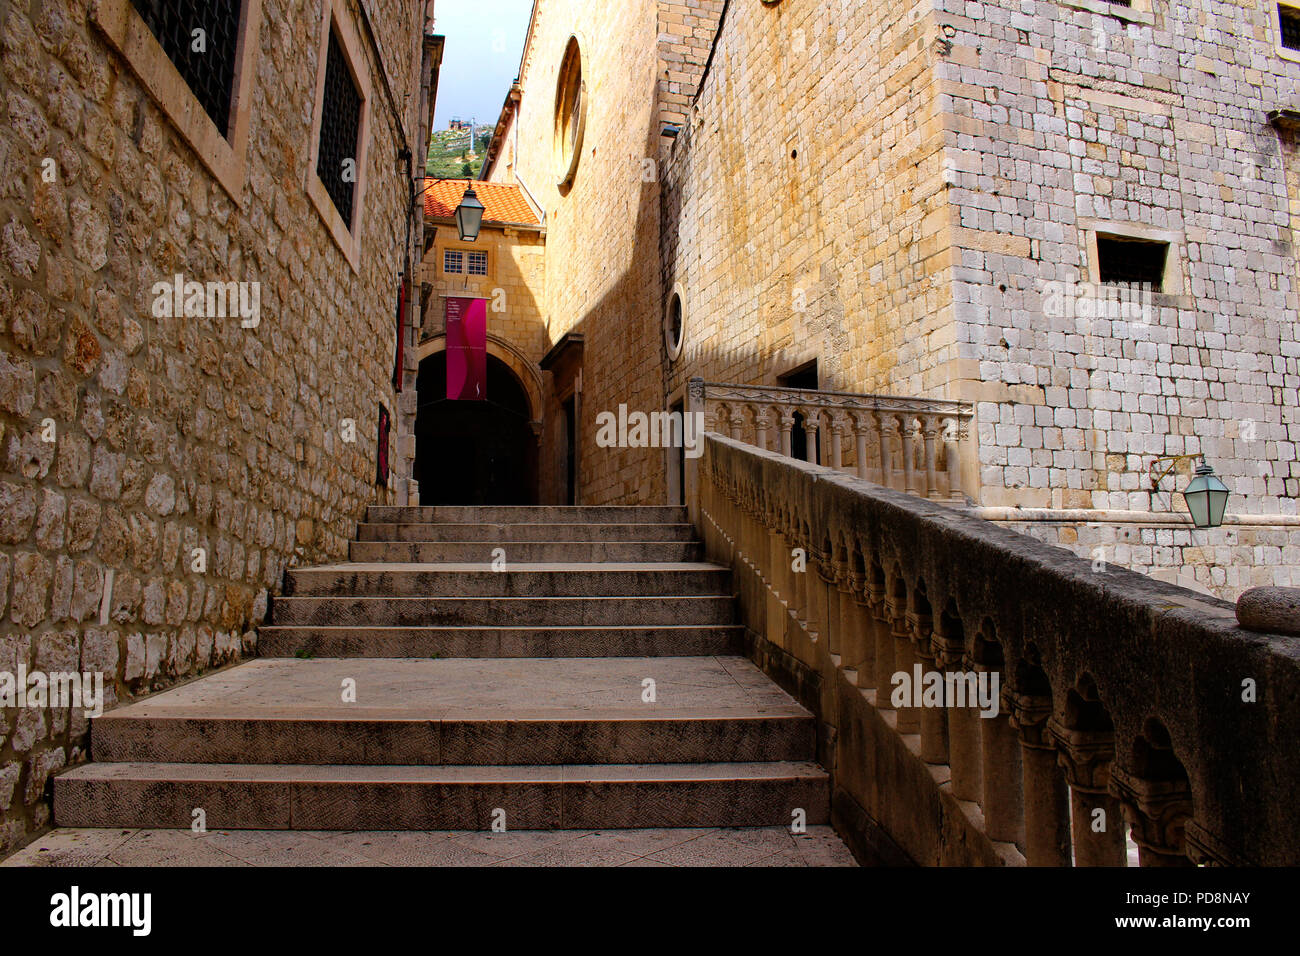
{"x": 1206, "y": 498}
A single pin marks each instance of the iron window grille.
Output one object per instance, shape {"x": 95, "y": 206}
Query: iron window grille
{"x": 477, "y": 264}
{"x": 340, "y": 123}
{"x": 205, "y": 60}
{"x": 1133, "y": 261}
{"x": 1289, "y": 18}
{"x": 453, "y": 261}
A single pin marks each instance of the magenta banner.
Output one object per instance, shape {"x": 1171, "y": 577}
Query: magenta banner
{"x": 467, "y": 349}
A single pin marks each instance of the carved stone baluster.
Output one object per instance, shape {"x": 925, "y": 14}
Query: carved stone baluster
{"x": 737, "y": 422}
{"x": 882, "y": 639}
{"x": 1096, "y": 822}
{"x": 952, "y": 436}
{"x": 888, "y": 429}
{"x": 787, "y": 431}
{"x": 1046, "y": 799}
{"x": 762, "y": 424}
{"x": 929, "y": 427}
{"x": 1157, "y": 811}
{"x": 909, "y": 455}
{"x": 860, "y": 442}
{"x": 933, "y": 720}
{"x": 838, "y": 423}
{"x": 964, "y": 756}
{"x": 858, "y": 650}
{"x": 1003, "y": 802}
{"x": 909, "y": 718}
{"x": 810, "y": 423}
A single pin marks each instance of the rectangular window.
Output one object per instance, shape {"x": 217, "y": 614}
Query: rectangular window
{"x": 477, "y": 264}
{"x": 1289, "y": 19}
{"x": 200, "y": 37}
{"x": 1123, "y": 259}
{"x": 336, "y": 158}
{"x": 453, "y": 261}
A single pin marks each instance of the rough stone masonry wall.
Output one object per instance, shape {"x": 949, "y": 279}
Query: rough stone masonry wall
{"x": 602, "y": 241}
{"x": 172, "y": 434}
{"x": 1059, "y": 114}
{"x": 804, "y": 214}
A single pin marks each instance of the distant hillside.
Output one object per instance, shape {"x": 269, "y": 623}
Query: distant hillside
{"x": 449, "y": 153}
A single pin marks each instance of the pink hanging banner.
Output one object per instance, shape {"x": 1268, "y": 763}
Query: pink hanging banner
{"x": 467, "y": 349}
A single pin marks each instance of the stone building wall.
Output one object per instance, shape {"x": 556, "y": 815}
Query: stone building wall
{"x": 1075, "y": 116}
{"x": 174, "y": 435}
{"x": 957, "y": 156}
{"x": 602, "y": 272}
{"x": 804, "y": 214}
{"x": 516, "y": 281}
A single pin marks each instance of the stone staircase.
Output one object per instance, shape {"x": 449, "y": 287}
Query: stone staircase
{"x": 417, "y": 687}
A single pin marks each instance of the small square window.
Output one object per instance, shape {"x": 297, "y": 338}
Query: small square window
{"x": 477, "y": 264}
{"x": 336, "y": 158}
{"x": 453, "y": 261}
{"x": 1121, "y": 259}
{"x": 200, "y": 37}
{"x": 1289, "y": 20}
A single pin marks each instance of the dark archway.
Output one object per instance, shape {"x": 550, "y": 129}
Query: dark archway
{"x": 474, "y": 453}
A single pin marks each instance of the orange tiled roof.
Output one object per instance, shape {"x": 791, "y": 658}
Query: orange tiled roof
{"x": 502, "y": 202}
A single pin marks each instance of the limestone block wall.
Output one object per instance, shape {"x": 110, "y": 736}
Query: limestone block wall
{"x": 804, "y": 212}
{"x": 174, "y": 438}
{"x": 1070, "y": 117}
{"x": 602, "y": 259}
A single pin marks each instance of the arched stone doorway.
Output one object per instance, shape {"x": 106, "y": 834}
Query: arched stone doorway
{"x": 474, "y": 453}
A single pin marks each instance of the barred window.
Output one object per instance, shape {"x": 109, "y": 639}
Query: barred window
{"x": 1289, "y": 17}
{"x": 336, "y": 159}
{"x": 477, "y": 264}
{"x": 453, "y": 261}
{"x": 200, "y": 37}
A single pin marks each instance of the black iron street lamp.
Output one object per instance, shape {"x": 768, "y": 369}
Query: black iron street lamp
{"x": 469, "y": 216}
{"x": 1206, "y": 496}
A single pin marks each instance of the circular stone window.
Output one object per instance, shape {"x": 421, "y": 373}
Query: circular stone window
{"x": 673, "y": 325}
{"x": 570, "y": 113}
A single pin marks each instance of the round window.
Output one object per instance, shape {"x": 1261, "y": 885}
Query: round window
{"x": 673, "y": 325}
{"x": 570, "y": 113}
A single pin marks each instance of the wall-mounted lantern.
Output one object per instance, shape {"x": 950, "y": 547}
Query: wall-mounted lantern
{"x": 469, "y": 216}
{"x": 1206, "y": 496}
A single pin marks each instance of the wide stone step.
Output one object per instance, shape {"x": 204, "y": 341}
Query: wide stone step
{"x": 660, "y": 641}
{"x": 502, "y": 612}
{"x": 511, "y": 514}
{"x": 463, "y": 713}
{"x": 516, "y": 580}
{"x": 267, "y": 797}
{"x": 502, "y": 534}
{"x": 529, "y": 552}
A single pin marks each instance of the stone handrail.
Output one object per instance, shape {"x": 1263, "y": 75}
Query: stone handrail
{"x": 1118, "y": 694}
{"x": 917, "y": 445}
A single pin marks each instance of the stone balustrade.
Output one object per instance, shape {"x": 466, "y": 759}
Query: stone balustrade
{"x": 919, "y": 445}
{"x": 1124, "y": 704}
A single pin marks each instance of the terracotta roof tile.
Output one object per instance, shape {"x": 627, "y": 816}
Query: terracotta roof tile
{"x": 502, "y": 202}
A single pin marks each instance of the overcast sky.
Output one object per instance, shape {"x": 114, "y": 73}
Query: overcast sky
{"x": 484, "y": 41}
